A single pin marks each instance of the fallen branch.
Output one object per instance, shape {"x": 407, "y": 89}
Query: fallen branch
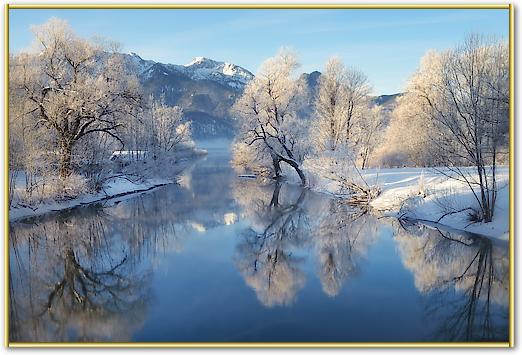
{"x": 453, "y": 212}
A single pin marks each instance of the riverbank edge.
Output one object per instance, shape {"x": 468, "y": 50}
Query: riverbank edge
{"x": 19, "y": 214}
{"x": 475, "y": 229}
{"x": 417, "y": 193}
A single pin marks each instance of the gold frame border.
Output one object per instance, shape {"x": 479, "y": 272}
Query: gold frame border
{"x": 510, "y": 343}
{"x": 259, "y": 6}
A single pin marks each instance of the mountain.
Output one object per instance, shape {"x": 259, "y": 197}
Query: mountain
{"x": 387, "y": 103}
{"x": 384, "y": 100}
{"x": 206, "y": 90}
{"x": 311, "y": 80}
{"x": 311, "y": 83}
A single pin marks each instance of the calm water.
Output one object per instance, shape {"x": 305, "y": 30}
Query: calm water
{"x": 220, "y": 258}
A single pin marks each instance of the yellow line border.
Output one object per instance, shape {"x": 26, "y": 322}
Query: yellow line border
{"x": 6, "y": 177}
{"x": 511, "y": 176}
{"x": 259, "y": 6}
{"x": 510, "y": 343}
{"x": 259, "y": 345}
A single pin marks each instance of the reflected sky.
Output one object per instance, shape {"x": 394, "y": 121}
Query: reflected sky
{"x": 220, "y": 258}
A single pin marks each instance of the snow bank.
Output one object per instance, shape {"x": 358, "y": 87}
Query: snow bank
{"x": 426, "y": 194}
{"x": 117, "y": 187}
{"x": 417, "y": 193}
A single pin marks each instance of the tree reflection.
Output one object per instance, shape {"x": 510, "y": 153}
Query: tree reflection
{"x": 465, "y": 278}
{"x": 73, "y": 279}
{"x": 264, "y": 255}
{"x": 342, "y": 237}
{"x": 287, "y": 222}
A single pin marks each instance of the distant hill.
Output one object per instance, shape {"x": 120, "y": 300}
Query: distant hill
{"x": 205, "y": 89}
{"x": 311, "y": 82}
{"x": 384, "y": 100}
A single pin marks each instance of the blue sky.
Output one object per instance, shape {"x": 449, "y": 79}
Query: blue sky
{"x": 386, "y": 44}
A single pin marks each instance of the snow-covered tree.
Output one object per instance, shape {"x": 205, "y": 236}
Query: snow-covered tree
{"x": 340, "y": 132}
{"x": 74, "y": 87}
{"x": 26, "y": 145}
{"x": 341, "y": 104}
{"x": 268, "y": 114}
{"x": 168, "y": 128}
{"x": 252, "y": 158}
{"x": 331, "y": 107}
{"x": 463, "y": 97}
{"x": 370, "y": 134}
{"x": 411, "y": 146}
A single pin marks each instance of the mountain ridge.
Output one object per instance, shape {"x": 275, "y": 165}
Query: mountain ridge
{"x": 206, "y": 89}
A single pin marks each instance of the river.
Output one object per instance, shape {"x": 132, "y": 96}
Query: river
{"x": 219, "y": 258}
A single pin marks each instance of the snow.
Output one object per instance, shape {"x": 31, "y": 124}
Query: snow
{"x": 229, "y": 69}
{"x": 230, "y": 218}
{"x": 115, "y": 189}
{"x": 128, "y": 154}
{"x": 199, "y": 68}
{"x": 426, "y": 194}
{"x": 196, "y": 60}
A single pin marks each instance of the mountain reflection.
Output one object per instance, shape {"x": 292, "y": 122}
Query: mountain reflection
{"x": 465, "y": 278}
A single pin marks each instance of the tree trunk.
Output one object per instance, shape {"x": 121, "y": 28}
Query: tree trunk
{"x": 297, "y": 169}
{"x": 274, "y": 202}
{"x": 277, "y": 166}
{"x": 65, "y": 158}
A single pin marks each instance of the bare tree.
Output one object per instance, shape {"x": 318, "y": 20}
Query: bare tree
{"x": 465, "y": 96}
{"x": 168, "y": 128}
{"x": 75, "y": 87}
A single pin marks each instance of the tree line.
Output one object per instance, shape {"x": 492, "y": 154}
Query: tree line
{"x": 72, "y": 103}
{"x": 454, "y": 116}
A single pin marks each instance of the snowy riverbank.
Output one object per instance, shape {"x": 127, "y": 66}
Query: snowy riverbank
{"x": 115, "y": 188}
{"x": 425, "y": 194}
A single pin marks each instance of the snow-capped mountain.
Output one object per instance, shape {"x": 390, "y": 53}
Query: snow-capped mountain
{"x": 200, "y": 68}
{"x": 206, "y": 90}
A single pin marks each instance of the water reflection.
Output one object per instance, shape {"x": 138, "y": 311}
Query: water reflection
{"x": 70, "y": 281}
{"x": 149, "y": 264}
{"x": 284, "y": 225}
{"x": 342, "y": 236}
{"x": 264, "y": 254}
{"x": 465, "y": 278}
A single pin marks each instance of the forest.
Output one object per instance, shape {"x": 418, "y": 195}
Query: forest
{"x": 79, "y": 118}
{"x": 210, "y": 177}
